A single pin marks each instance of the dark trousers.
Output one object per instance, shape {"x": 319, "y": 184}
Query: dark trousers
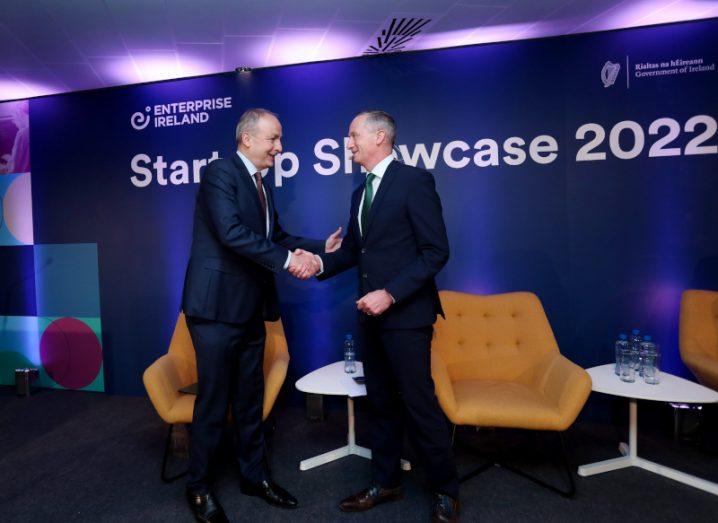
{"x": 400, "y": 390}
{"x": 229, "y": 373}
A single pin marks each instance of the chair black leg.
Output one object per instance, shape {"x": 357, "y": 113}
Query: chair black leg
{"x": 165, "y": 458}
{"x": 570, "y": 492}
{"x": 477, "y": 471}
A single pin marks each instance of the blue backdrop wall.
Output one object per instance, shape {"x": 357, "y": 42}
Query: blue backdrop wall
{"x": 582, "y": 168}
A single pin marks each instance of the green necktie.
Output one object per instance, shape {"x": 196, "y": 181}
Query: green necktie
{"x": 368, "y": 197}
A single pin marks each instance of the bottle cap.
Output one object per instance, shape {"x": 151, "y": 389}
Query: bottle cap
{"x": 647, "y": 337}
{"x": 349, "y": 336}
{"x": 635, "y": 331}
{"x": 622, "y": 336}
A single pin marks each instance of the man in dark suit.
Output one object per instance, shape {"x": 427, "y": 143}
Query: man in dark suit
{"x": 396, "y": 235}
{"x": 229, "y": 290}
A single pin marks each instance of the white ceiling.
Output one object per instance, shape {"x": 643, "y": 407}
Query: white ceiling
{"x": 58, "y": 46}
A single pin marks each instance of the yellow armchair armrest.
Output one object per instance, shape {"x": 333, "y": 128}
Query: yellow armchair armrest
{"x": 565, "y": 384}
{"x": 442, "y": 385}
{"x": 162, "y": 381}
{"x": 705, "y": 368}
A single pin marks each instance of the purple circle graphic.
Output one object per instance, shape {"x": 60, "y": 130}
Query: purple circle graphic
{"x": 70, "y": 353}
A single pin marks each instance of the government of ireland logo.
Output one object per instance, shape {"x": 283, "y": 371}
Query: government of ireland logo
{"x": 609, "y": 73}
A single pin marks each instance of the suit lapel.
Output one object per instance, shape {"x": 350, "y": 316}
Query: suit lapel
{"x": 384, "y": 187}
{"x": 246, "y": 181}
{"x": 354, "y": 217}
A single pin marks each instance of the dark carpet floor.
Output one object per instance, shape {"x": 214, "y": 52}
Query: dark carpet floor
{"x": 72, "y": 456}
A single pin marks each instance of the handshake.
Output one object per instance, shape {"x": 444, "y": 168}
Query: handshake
{"x": 303, "y": 264}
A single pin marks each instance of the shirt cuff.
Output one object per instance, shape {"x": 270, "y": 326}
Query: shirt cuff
{"x": 321, "y": 265}
{"x": 289, "y": 258}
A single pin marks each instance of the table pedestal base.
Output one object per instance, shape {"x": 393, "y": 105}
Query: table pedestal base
{"x": 350, "y": 449}
{"x": 630, "y": 459}
{"x": 333, "y": 455}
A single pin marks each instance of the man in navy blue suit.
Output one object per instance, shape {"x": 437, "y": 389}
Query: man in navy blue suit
{"x": 237, "y": 247}
{"x": 396, "y": 236}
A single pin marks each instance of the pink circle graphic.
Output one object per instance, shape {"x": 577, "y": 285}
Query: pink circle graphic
{"x": 17, "y": 209}
{"x": 71, "y": 353}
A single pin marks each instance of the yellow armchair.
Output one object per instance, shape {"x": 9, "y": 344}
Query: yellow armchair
{"x": 698, "y": 335}
{"x": 496, "y": 363}
{"x": 178, "y": 369}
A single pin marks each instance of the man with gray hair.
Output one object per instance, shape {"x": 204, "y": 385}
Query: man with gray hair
{"x": 229, "y": 290}
{"x": 397, "y": 237}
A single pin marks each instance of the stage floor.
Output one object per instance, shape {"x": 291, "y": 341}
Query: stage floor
{"x": 75, "y": 456}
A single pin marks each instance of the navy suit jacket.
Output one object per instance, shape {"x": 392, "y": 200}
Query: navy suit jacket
{"x": 230, "y": 275}
{"x": 403, "y": 248}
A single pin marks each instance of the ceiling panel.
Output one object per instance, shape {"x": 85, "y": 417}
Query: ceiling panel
{"x": 292, "y": 46}
{"x": 90, "y": 27}
{"x": 308, "y": 14}
{"x": 13, "y": 54}
{"x": 346, "y": 38}
{"x": 251, "y": 17}
{"x": 455, "y": 27}
{"x": 40, "y": 81}
{"x": 156, "y": 65}
{"x": 36, "y": 29}
{"x": 143, "y": 24}
{"x": 246, "y": 51}
{"x": 364, "y": 11}
{"x": 76, "y": 76}
{"x": 196, "y": 22}
{"x": 197, "y": 59}
{"x": 116, "y": 70}
{"x": 79, "y": 44}
{"x": 12, "y": 88}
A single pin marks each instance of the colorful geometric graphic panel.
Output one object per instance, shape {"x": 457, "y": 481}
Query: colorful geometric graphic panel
{"x": 14, "y": 137}
{"x": 19, "y": 346}
{"x": 17, "y": 284}
{"x": 66, "y": 281}
{"x": 15, "y": 193}
{"x": 15, "y": 209}
{"x": 71, "y": 353}
{"x": 50, "y": 301}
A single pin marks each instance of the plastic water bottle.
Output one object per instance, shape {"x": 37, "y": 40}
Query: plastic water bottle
{"x": 634, "y": 344}
{"x": 645, "y": 345}
{"x": 350, "y": 355}
{"x": 651, "y": 361}
{"x": 621, "y": 346}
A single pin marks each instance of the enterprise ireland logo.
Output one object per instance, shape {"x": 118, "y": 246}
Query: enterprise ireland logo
{"x": 609, "y": 73}
{"x": 141, "y": 120}
{"x": 188, "y": 112}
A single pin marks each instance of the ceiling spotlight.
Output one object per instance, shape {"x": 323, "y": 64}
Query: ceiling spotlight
{"x": 243, "y": 69}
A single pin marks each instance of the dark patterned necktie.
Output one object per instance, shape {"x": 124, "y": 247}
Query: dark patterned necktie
{"x": 260, "y": 192}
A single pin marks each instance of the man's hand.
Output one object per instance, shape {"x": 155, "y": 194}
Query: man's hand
{"x": 375, "y": 302}
{"x": 303, "y": 265}
{"x": 334, "y": 241}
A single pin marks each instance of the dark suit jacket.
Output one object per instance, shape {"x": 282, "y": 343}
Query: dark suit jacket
{"x": 403, "y": 248}
{"x": 230, "y": 274}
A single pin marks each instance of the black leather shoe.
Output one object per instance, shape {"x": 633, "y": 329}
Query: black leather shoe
{"x": 370, "y": 498}
{"x": 206, "y": 508}
{"x": 271, "y": 493}
{"x": 445, "y": 509}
